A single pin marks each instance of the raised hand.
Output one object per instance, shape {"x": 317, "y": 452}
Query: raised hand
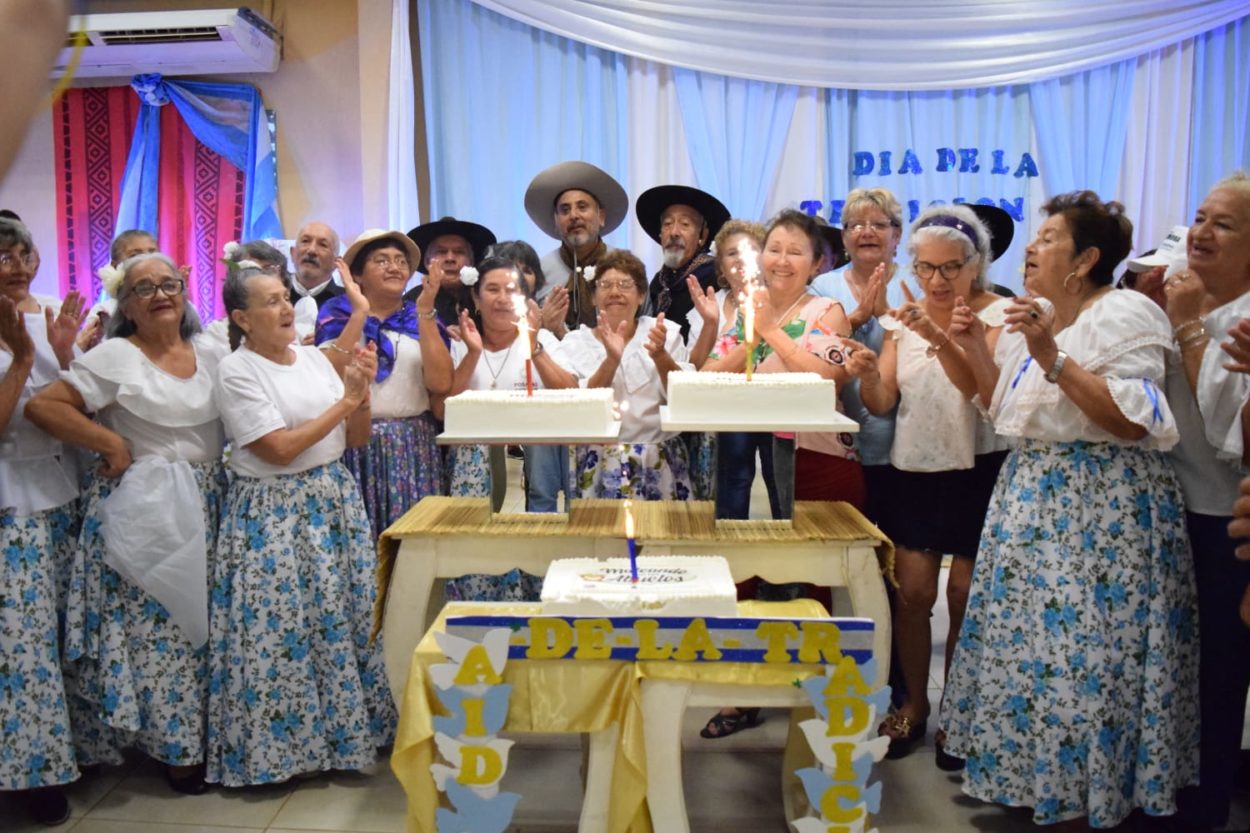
{"x": 428, "y": 295}
{"x": 966, "y": 329}
{"x": 1238, "y": 347}
{"x": 656, "y": 337}
{"x": 1026, "y": 316}
{"x": 913, "y": 316}
{"x": 555, "y": 308}
{"x": 861, "y": 361}
{"x": 1184, "y": 292}
{"x": 613, "y": 340}
{"x": 468, "y": 332}
{"x": 872, "y": 299}
{"x": 356, "y": 380}
{"x": 63, "y": 329}
{"x": 350, "y": 288}
{"x": 704, "y": 301}
{"x": 13, "y": 333}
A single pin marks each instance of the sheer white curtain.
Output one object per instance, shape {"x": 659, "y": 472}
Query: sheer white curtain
{"x": 890, "y": 45}
{"x": 403, "y": 206}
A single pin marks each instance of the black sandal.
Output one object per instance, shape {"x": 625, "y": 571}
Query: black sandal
{"x": 723, "y": 725}
{"x": 192, "y": 783}
{"x": 945, "y": 760}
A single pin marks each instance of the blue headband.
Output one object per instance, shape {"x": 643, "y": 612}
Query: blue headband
{"x": 948, "y": 221}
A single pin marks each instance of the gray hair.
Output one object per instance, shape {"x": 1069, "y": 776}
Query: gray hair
{"x": 980, "y": 248}
{"x": 121, "y": 326}
{"x": 14, "y": 233}
{"x": 234, "y": 296}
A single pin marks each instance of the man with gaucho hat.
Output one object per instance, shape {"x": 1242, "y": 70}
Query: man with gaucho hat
{"x": 576, "y": 203}
{"x": 684, "y": 221}
{"x": 449, "y": 245}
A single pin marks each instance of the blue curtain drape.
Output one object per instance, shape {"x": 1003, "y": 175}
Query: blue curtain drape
{"x": 736, "y": 130}
{"x": 1220, "y": 127}
{"x": 230, "y": 120}
{"x": 1081, "y": 122}
{"x": 493, "y": 124}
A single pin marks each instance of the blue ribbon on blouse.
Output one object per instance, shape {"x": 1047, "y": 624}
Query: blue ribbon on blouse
{"x": 336, "y": 312}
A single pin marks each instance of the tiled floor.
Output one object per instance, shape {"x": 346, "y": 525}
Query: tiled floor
{"x": 732, "y": 786}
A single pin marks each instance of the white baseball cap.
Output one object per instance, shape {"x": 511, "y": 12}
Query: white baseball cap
{"x": 1170, "y": 250}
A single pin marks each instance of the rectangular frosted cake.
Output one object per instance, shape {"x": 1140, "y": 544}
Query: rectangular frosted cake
{"x": 668, "y": 585}
{"x": 573, "y": 412}
{"x": 695, "y": 397}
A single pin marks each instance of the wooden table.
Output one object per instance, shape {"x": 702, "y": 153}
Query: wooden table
{"x": 827, "y": 544}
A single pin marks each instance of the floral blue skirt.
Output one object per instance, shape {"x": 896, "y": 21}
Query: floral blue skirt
{"x": 36, "y": 747}
{"x": 400, "y": 465}
{"x": 143, "y": 682}
{"x": 294, "y": 684}
{"x": 1072, "y": 688}
{"x": 641, "y": 471}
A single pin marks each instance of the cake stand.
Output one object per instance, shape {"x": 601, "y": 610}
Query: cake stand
{"x": 605, "y": 436}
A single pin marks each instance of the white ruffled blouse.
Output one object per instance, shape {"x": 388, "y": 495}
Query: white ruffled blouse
{"x": 156, "y": 412}
{"x": 1122, "y": 337}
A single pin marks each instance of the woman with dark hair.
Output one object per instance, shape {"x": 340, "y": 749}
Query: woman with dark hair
{"x": 799, "y": 331}
{"x": 38, "y": 529}
{"x": 490, "y": 358}
{"x": 401, "y": 463}
{"x": 521, "y": 255}
{"x": 1071, "y": 687}
{"x": 295, "y": 685}
{"x": 941, "y": 446}
{"x": 633, "y": 355}
{"x": 138, "y": 648}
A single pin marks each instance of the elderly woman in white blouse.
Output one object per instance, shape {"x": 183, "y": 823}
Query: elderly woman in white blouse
{"x": 136, "y": 623}
{"x": 942, "y": 446}
{"x": 1071, "y": 687}
{"x": 1204, "y": 302}
{"x": 296, "y": 686}
{"x": 632, "y": 355}
{"x": 38, "y": 528}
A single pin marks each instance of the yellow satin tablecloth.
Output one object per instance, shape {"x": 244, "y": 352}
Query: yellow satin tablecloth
{"x": 576, "y": 696}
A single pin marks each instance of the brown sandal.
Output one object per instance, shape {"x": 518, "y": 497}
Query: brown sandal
{"x": 903, "y": 733}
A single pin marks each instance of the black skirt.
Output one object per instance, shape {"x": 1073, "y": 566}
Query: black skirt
{"x": 941, "y": 511}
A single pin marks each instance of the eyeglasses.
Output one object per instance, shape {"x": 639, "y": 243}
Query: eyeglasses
{"x": 608, "y": 286}
{"x": 948, "y": 270}
{"x": 170, "y": 287}
{"x": 8, "y": 261}
{"x": 383, "y": 262}
{"x": 879, "y": 228}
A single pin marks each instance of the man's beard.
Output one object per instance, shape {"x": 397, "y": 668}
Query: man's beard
{"x": 579, "y": 238}
{"x": 674, "y": 257}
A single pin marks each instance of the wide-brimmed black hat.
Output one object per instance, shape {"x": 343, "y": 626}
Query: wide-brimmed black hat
{"x": 480, "y": 237}
{"x": 653, "y": 202}
{"x": 549, "y": 183}
{"x": 1002, "y": 227}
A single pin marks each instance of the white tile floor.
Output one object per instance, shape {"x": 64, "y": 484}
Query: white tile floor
{"x": 732, "y": 786}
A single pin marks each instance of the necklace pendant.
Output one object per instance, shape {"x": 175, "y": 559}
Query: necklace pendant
{"x": 492, "y": 384}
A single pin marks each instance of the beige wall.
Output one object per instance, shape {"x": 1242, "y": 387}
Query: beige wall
{"x": 329, "y": 94}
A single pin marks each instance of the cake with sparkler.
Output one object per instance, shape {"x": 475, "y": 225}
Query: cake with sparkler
{"x": 515, "y": 414}
{"x": 777, "y": 398}
{"x": 667, "y": 585}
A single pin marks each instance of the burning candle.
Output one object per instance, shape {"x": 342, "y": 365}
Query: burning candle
{"x": 633, "y": 545}
{"x": 523, "y": 335}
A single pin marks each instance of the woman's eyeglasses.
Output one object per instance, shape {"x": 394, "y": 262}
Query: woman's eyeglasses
{"x": 948, "y": 270}
{"x": 170, "y": 287}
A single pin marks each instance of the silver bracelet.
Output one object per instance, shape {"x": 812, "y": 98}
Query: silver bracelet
{"x": 1056, "y": 368}
{"x": 338, "y": 349}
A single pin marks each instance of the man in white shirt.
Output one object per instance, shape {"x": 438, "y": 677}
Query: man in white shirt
{"x": 314, "y": 253}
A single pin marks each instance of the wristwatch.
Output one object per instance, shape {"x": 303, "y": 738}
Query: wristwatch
{"x": 1055, "y": 369}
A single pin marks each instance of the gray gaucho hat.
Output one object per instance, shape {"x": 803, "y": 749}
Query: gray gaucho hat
{"x": 550, "y": 183}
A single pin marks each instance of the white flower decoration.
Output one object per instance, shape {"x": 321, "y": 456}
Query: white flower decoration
{"x": 111, "y": 276}
{"x": 468, "y": 276}
{"x": 589, "y": 274}
{"x": 232, "y": 251}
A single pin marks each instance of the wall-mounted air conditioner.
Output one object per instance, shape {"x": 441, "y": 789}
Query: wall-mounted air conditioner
{"x": 207, "y": 42}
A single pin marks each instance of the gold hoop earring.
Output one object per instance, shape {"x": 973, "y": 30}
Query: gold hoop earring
{"x": 1070, "y": 276}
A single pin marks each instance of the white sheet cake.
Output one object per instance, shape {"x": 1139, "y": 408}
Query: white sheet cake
{"x": 695, "y": 397}
{"x": 668, "y": 585}
{"x": 574, "y": 412}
